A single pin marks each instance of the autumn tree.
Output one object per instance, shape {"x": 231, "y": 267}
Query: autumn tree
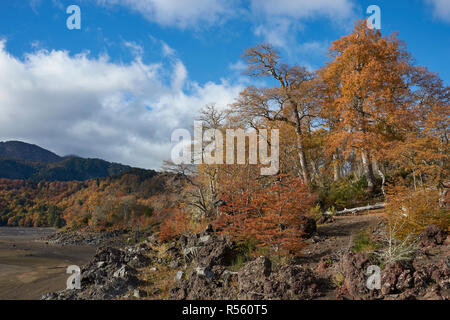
{"x": 201, "y": 190}
{"x": 176, "y": 224}
{"x": 369, "y": 80}
{"x": 270, "y": 216}
{"x": 291, "y": 101}
{"x": 411, "y": 211}
{"x": 424, "y": 149}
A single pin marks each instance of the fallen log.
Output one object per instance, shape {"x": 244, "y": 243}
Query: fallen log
{"x": 358, "y": 209}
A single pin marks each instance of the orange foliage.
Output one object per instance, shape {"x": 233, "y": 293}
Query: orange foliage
{"x": 270, "y": 216}
{"x": 174, "y": 225}
{"x": 413, "y": 210}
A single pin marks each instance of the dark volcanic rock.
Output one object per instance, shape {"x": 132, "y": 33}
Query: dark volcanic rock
{"x": 308, "y": 227}
{"x": 400, "y": 280}
{"x": 257, "y": 280}
{"x": 353, "y": 266}
{"x": 110, "y": 274}
{"x": 203, "y": 285}
{"x": 253, "y": 276}
{"x": 432, "y": 235}
{"x": 207, "y": 257}
{"x": 396, "y": 277}
{"x": 206, "y": 249}
{"x": 112, "y": 238}
{"x": 325, "y": 218}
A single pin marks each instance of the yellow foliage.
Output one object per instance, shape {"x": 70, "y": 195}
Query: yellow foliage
{"x": 414, "y": 210}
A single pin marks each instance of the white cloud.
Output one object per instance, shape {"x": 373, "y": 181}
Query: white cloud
{"x": 58, "y": 4}
{"x": 204, "y": 13}
{"x": 275, "y": 21}
{"x": 135, "y": 49}
{"x": 34, "y": 4}
{"x": 96, "y": 108}
{"x": 279, "y": 21}
{"x": 441, "y": 9}
{"x": 315, "y": 47}
{"x": 239, "y": 66}
{"x": 301, "y": 9}
{"x": 166, "y": 49}
{"x": 278, "y": 31}
{"x": 179, "y": 13}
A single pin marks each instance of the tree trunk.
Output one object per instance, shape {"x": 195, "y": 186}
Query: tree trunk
{"x": 315, "y": 172}
{"x": 301, "y": 149}
{"x": 381, "y": 174}
{"x": 336, "y": 167}
{"x": 359, "y": 209}
{"x": 368, "y": 169}
{"x": 302, "y": 156}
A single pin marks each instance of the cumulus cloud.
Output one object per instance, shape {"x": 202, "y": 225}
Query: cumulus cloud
{"x": 441, "y": 9}
{"x": 301, "y": 9}
{"x": 279, "y": 21}
{"x": 275, "y": 21}
{"x": 182, "y": 14}
{"x": 93, "y": 107}
{"x": 272, "y": 19}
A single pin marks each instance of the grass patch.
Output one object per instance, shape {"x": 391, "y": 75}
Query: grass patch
{"x": 338, "y": 279}
{"x": 363, "y": 243}
{"x": 244, "y": 252}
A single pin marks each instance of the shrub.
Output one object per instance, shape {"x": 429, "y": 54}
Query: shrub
{"x": 393, "y": 248}
{"x": 363, "y": 243}
{"x": 411, "y": 211}
{"x": 244, "y": 250}
{"x": 271, "y": 216}
{"x": 344, "y": 193}
{"x": 174, "y": 225}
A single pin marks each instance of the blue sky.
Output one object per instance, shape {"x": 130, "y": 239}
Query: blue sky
{"x": 138, "y": 69}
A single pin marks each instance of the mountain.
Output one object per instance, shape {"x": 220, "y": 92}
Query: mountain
{"x": 74, "y": 168}
{"x": 23, "y": 161}
{"x": 17, "y": 150}
{"x": 79, "y": 192}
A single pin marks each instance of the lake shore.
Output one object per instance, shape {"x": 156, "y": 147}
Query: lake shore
{"x": 30, "y": 267}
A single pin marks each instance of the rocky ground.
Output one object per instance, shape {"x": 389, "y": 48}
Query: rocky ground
{"x": 112, "y": 238}
{"x": 210, "y": 266}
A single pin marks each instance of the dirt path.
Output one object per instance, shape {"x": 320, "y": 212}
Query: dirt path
{"x": 334, "y": 238}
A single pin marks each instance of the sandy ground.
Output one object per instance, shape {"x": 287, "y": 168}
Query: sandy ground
{"x": 30, "y": 267}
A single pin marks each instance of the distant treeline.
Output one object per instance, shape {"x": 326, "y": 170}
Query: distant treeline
{"x": 135, "y": 198}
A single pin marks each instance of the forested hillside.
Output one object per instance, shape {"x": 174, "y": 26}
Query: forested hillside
{"x": 129, "y": 199}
